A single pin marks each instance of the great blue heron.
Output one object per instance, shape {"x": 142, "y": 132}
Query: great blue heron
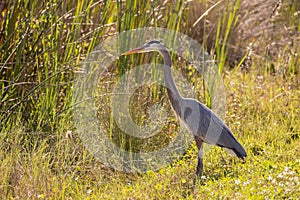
{"x": 205, "y": 125}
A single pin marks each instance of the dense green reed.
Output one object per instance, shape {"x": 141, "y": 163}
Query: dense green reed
{"x": 42, "y": 46}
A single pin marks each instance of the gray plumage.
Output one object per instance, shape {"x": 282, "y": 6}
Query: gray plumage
{"x": 205, "y": 125}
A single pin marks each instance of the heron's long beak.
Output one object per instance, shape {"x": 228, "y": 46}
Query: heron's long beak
{"x": 136, "y": 50}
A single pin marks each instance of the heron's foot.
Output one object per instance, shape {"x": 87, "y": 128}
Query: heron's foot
{"x": 199, "y": 179}
{"x": 199, "y": 170}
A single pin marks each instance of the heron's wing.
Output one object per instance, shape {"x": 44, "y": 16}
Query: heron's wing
{"x": 205, "y": 124}
{"x": 213, "y": 130}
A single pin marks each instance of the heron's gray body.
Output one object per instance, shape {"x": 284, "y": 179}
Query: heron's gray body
{"x": 205, "y": 125}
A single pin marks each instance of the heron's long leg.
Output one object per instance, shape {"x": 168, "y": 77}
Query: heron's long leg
{"x": 199, "y": 144}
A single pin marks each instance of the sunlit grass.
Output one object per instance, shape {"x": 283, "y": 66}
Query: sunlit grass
{"x": 263, "y": 113}
{"x": 43, "y": 158}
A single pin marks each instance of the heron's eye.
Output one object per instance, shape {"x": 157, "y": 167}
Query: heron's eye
{"x": 153, "y": 42}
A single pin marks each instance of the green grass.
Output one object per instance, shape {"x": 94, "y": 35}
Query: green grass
{"x": 42, "y": 45}
{"x": 263, "y": 113}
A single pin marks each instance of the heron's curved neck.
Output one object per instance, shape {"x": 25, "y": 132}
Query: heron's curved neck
{"x": 173, "y": 93}
{"x": 170, "y": 84}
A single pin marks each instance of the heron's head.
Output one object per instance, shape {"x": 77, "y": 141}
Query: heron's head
{"x": 153, "y": 45}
